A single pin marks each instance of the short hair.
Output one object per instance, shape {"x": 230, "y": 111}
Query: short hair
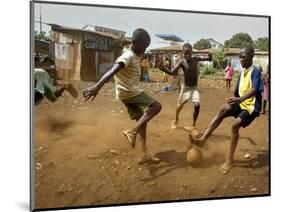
{"x": 249, "y": 50}
{"x": 187, "y": 45}
{"x": 140, "y": 35}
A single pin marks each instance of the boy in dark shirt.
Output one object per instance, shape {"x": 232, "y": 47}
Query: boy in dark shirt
{"x": 189, "y": 90}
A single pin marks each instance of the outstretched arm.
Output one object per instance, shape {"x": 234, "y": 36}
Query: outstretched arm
{"x": 168, "y": 71}
{"x": 93, "y": 90}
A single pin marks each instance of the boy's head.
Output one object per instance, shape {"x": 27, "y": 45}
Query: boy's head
{"x": 187, "y": 51}
{"x": 140, "y": 41}
{"x": 246, "y": 56}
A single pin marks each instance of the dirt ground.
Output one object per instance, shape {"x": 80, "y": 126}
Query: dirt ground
{"x": 83, "y": 159}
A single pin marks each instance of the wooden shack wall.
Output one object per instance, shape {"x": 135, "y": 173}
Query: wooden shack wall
{"x": 97, "y": 58}
{"x": 67, "y": 55}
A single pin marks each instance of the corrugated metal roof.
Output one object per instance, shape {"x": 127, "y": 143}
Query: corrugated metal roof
{"x": 56, "y": 27}
{"x": 91, "y": 26}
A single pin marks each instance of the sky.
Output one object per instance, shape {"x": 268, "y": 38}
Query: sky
{"x": 191, "y": 27}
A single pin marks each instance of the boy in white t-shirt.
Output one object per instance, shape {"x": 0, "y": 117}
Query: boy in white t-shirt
{"x": 126, "y": 72}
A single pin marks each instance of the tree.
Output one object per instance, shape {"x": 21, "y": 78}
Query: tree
{"x": 202, "y": 44}
{"x": 219, "y": 59}
{"x": 239, "y": 40}
{"x": 262, "y": 43}
{"x": 41, "y": 36}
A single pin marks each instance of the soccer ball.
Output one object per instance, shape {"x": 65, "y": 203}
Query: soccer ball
{"x": 194, "y": 157}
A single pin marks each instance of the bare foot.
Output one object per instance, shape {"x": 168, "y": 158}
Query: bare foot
{"x": 188, "y": 128}
{"x": 174, "y": 125}
{"x": 225, "y": 167}
{"x": 195, "y": 132}
{"x": 73, "y": 92}
{"x": 197, "y": 141}
{"x": 148, "y": 159}
{"x": 131, "y": 137}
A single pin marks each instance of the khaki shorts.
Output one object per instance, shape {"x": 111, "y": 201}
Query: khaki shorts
{"x": 136, "y": 104}
{"x": 188, "y": 93}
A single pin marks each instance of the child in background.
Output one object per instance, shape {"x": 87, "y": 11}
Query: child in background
{"x": 228, "y": 76}
{"x": 44, "y": 85}
{"x": 265, "y": 95}
{"x": 167, "y": 65}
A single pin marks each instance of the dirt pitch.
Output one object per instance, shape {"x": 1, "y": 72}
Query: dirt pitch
{"x": 82, "y": 158}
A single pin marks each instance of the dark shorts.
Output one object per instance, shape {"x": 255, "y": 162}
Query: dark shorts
{"x": 38, "y": 97}
{"x": 244, "y": 115}
{"x": 136, "y": 104}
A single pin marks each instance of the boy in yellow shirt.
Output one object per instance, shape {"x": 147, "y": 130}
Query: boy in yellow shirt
{"x": 126, "y": 72}
{"x": 245, "y": 106}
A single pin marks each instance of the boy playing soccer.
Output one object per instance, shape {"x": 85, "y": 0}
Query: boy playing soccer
{"x": 245, "y": 106}
{"x": 126, "y": 72}
{"x": 189, "y": 89}
{"x": 44, "y": 85}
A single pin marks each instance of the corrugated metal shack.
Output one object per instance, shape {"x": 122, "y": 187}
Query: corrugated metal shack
{"x": 81, "y": 54}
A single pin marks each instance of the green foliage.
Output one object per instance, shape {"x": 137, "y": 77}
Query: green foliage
{"x": 239, "y": 40}
{"x": 262, "y": 44}
{"x": 219, "y": 59}
{"x": 209, "y": 70}
{"x": 41, "y": 36}
{"x": 202, "y": 44}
